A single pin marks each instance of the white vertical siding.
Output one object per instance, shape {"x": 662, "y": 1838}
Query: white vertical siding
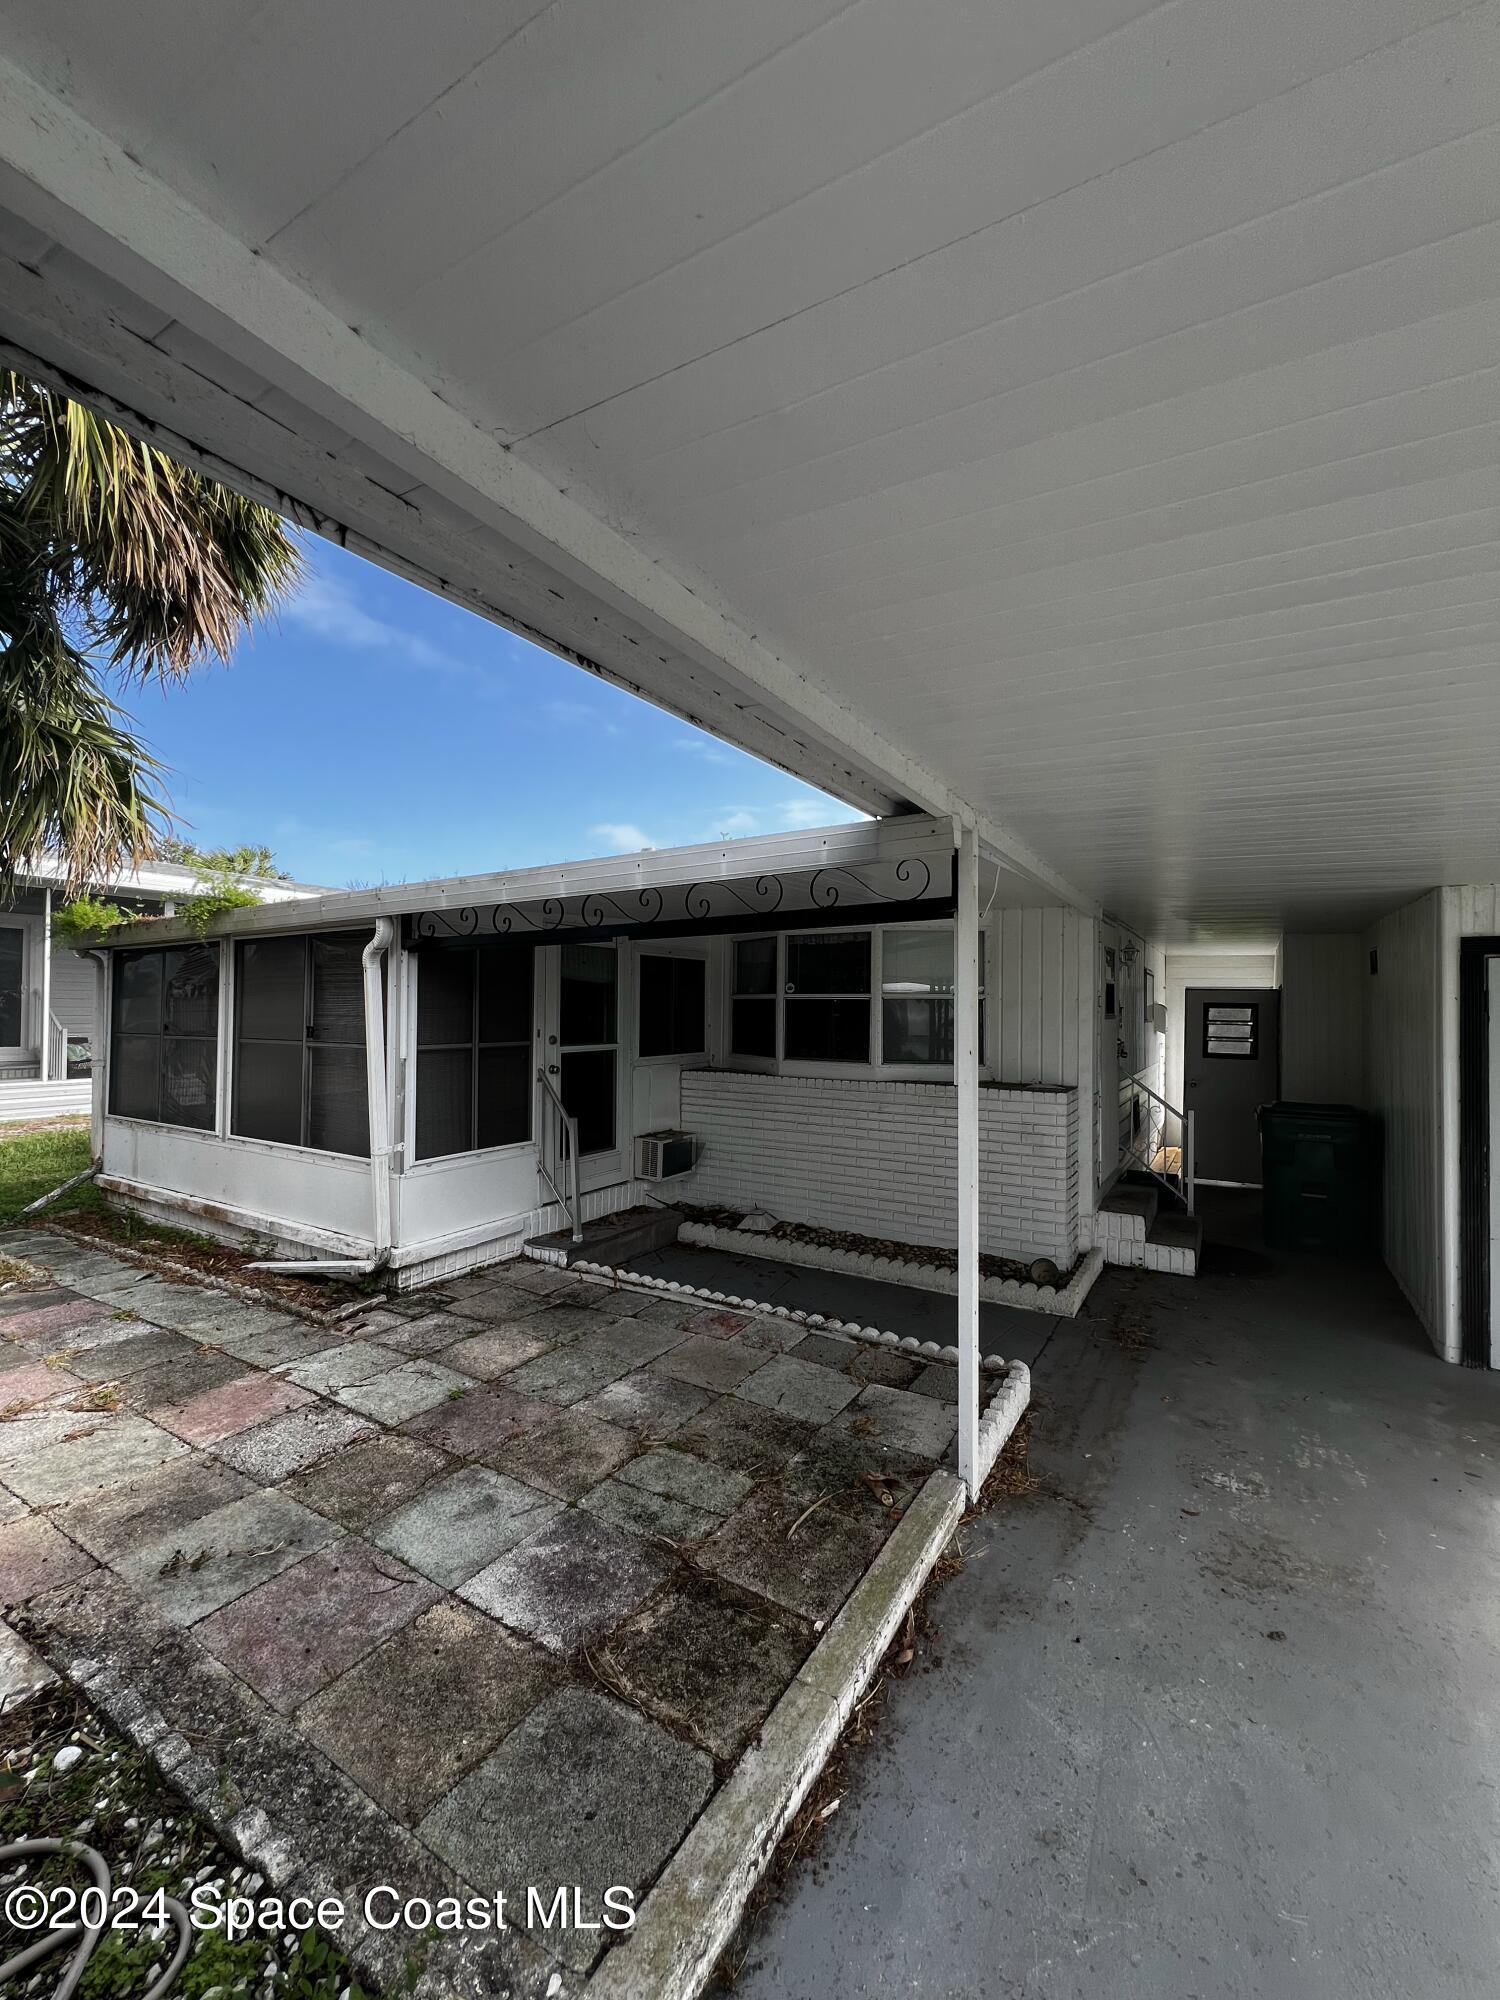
{"x": 74, "y": 982}
{"x": 1404, "y": 1058}
{"x": 1322, "y": 1018}
{"x": 1036, "y": 1005}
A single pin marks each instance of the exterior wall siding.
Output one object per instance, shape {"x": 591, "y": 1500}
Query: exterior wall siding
{"x": 1403, "y": 1067}
{"x": 1322, "y": 1018}
{"x": 878, "y": 1158}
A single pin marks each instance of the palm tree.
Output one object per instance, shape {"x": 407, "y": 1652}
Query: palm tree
{"x": 113, "y": 559}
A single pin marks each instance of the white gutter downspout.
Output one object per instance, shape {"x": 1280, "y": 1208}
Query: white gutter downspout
{"x": 377, "y": 1098}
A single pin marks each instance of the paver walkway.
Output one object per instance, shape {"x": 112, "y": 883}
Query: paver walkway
{"x": 486, "y": 1588}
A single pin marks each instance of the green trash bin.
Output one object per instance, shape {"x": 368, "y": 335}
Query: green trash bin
{"x": 1319, "y": 1171}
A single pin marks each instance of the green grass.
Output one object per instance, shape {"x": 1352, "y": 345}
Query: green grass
{"x": 32, "y": 1163}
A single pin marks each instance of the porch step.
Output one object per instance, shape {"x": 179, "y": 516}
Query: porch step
{"x": 1126, "y": 1214}
{"x": 1174, "y": 1244}
{"x": 613, "y": 1239}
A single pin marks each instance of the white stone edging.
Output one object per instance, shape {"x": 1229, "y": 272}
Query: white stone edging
{"x": 1062, "y": 1300}
{"x": 925, "y": 1350}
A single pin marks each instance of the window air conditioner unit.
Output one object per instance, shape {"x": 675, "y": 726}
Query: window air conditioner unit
{"x": 660, "y": 1156}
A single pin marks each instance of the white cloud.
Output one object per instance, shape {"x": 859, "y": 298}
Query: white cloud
{"x": 621, "y": 837}
{"x": 579, "y": 715}
{"x": 704, "y": 747}
{"x": 739, "y": 822}
{"x": 796, "y": 813}
{"x": 331, "y": 611}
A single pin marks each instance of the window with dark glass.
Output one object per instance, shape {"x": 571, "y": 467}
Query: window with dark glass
{"x": 673, "y": 1006}
{"x": 827, "y": 1003}
{"x": 299, "y": 1042}
{"x": 916, "y": 996}
{"x": 164, "y": 1036}
{"x": 752, "y": 1002}
{"x": 12, "y": 986}
{"x": 474, "y": 1054}
{"x": 587, "y": 1013}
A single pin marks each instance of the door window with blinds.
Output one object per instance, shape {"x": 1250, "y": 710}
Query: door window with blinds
{"x": 12, "y": 986}
{"x": 299, "y": 1043}
{"x": 474, "y": 1053}
{"x": 164, "y": 1036}
{"x": 1232, "y": 1031}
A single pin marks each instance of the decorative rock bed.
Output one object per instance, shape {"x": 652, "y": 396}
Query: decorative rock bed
{"x": 1063, "y": 1300}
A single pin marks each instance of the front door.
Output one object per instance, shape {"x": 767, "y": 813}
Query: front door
{"x": 581, "y": 1051}
{"x": 1231, "y": 1065}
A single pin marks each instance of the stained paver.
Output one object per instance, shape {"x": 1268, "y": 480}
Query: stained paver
{"x": 621, "y": 1793}
{"x": 709, "y": 1364}
{"x": 336, "y": 1367}
{"x": 649, "y": 1404}
{"x": 427, "y": 1705}
{"x": 570, "y": 1374}
{"x": 164, "y": 1501}
{"x": 49, "y": 1324}
{"x": 708, "y": 1661}
{"x": 275, "y": 1346}
{"x": 168, "y": 1383}
{"x": 191, "y": 1571}
{"x": 901, "y": 1419}
{"x": 829, "y": 1350}
{"x": 571, "y": 1580}
{"x": 718, "y": 1323}
{"x": 274, "y": 1451}
{"x": 251, "y": 1399}
{"x": 653, "y": 1516}
{"x": 366, "y": 1481}
{"x": 495, "y": 1351}
{"x": 35, "y": 1556}
{"x": 808, "y": 1569}
{"x": 501, "y": 1303}
{"x": 403, "y": 1392}
{"x": 568, "y": 1454}
{"x": 427, "y": 1334}
{"x": 148, "y": 1349}
{"x": 802, "y": 1389}
{"x": 458, "y": 1524}
{"x": 481, "y": 1420}
{"x": 95, "y": 1452}
{"x": 744, "y": 1436}
{"x": 34, "y": 1382}
{"x": 293, "y": 1635}
{"x": 679, "y": 1475}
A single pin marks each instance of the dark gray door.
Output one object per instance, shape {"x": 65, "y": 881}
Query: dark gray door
{"x": 1231, "y": 1064}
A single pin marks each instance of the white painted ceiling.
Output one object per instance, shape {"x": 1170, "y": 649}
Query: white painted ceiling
{"x": 1096, "y": 402}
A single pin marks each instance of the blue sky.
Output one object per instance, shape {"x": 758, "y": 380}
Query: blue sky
{"x": 376, "y": 733}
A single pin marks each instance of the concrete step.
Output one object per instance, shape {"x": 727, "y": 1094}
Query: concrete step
{"x": 613, "y": 1239}
{"x": 1174, "y": 1244}
{"x": 1127, "y": 1213}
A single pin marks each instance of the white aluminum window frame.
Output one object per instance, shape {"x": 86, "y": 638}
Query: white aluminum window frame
{"x": 670, "y": 948}
{"x": 877, "y": 1068}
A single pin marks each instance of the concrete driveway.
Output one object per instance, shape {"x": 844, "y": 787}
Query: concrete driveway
{"x": 1216, "y": 1710}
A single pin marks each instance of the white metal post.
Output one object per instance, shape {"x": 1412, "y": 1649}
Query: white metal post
{"x": 44, "y": 1066}
{"x": 966, "y": 1089}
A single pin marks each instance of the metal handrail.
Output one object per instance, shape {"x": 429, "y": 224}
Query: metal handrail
{"x": 1189, "y": 1142}
{"x": 567, "y": 1127}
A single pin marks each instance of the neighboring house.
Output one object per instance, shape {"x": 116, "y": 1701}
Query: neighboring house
{"x": 48, "y": 1004}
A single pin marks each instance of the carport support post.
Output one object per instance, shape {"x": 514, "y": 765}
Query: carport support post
{"x": 966, "y": 1087}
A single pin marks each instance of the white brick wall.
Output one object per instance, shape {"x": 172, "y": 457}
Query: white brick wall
{"x": 878, "y": 1157}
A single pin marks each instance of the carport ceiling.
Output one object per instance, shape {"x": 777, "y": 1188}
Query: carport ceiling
{"x": 1088, "y": 413}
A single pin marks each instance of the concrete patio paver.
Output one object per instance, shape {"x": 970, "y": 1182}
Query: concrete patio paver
{"x": 97, "y": 1451}
{"x": 567, "y": 1454}
{"x": 193, "y": 1570}
{"x": 495, "y": 1351}
{"x": 680, "y": 1476}
{"x": 654, "y": 1516}
{"x": 148, "y": 1348}
{"x": 34, "y": 1382}
{"x": 274, "y": 1451}
{"x": 293, "y": 1635}
{"x": 801, "y": 1389}
{"x": 568, "y": 1582}
{"x": 163, "y": 1502}
{"x": 708, "y": 1363}
{"x": 459, "y": 1523}
{"x": 403, "y": 1392}
{"x": 621, "y": 1786}
{"x": 239, "y": 1405}
{"x": 366, "y": 1481}
{"x": 336, "y": 1367}
{"x": 897, "y": 1417}
{"x": 424, "y": 1707}
{"x": 808, "y": 1573}
{"x": 709, "y": 1662}
{"x": 35, "y": 1556}
{"x": 646, "y": 1402}
{"x": 479, "y": 1422}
